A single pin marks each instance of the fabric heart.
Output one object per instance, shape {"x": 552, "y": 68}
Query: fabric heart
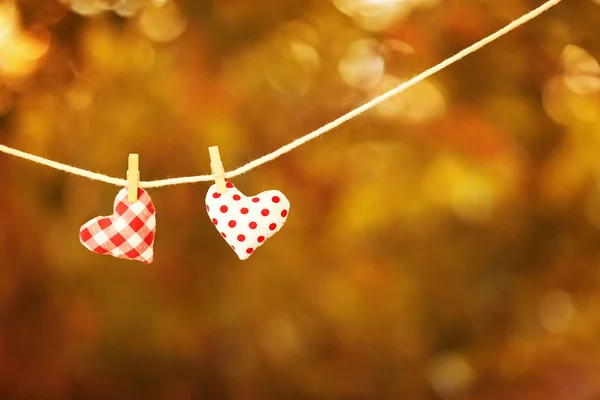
{"x": 128, "y": 233}
{"x": 246, "y": 222}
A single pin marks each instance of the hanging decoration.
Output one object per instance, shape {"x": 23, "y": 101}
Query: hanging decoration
{"x": 244, "y": 222}
{"x": 129, "y": 232}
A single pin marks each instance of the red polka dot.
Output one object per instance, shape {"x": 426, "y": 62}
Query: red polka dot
{"x": 229, "y": 185}
{"x": 216, "y": 195}
{"x": 275, "y": 199}
{"x": 261, "y": 239}
{"x": 264, "y": 212}
{"x": 223, "y": 209}
{"x": 236, "y": 197}
{"x": 244, "y": 210}
{"x": 252, "y": 225}
{"x": 233, "y": 247}
{"x": 241, "y": 238}
{"x": 207, "y": 208}
{"x": 273, "y": 226}
{"x": 232, "y": 224}
{"x": 284, "y": 213}
{"x": 249, "y": 250}
{"x": 255, "y": 200}
{"x": 223, "y": 234}
{"x": 215, "y": 221}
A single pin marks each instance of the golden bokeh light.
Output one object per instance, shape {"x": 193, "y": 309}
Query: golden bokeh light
{"x": 556, "y": 311}
{"x": 123, "y": 8}
{"x": 86, "y": 7}
{"x": 472, "y": 194}
{"x": 294, "y": 46}
{"x": 581, "y": 70}
{"x": 392, "y": 47}
{"x": 451, "y": 376}
{"x": 420, "y": 104}
{"x": 8, "y": 21}
{"x": 20, "y": 51}
{"x": 377, "y": 15}
{"x": 574, "y": 93}
{"x": 162, "y": 22}
{"x": 362, "y": 66}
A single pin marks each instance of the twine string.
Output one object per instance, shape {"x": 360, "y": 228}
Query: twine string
{"x": 301, "y": 140}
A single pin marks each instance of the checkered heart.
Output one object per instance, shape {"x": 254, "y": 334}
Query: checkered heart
{"x": 246, "y": 222}
{"x": 128, "y": 233}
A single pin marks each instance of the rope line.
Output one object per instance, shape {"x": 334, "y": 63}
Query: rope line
{"x": 301, "y": 140}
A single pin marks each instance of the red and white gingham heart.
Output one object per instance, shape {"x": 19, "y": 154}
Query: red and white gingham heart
{"x": 246, "y": 222}
{"x": 128, "y": 233}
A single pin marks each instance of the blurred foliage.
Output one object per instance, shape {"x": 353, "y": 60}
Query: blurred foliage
{"x": 442, "y": 246}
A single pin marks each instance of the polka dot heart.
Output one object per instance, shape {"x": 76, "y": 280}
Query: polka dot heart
{"x": 246, "y": 222}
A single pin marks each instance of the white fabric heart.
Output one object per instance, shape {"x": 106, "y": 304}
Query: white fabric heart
{"x": 246, "y": 222}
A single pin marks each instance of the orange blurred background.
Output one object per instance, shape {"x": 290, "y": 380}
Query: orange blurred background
{"x": 444, "y": 245}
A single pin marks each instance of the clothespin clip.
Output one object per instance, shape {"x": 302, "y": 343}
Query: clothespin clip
{"x": 217, "y": 169}
{"x": 133, "y": 178}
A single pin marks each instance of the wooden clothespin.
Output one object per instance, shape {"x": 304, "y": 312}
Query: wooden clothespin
{"x": 217, "y": 169}
{"x": 133, "y": 177}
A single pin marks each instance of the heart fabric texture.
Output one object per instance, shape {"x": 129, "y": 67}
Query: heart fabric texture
{"x": 128, "y": 233}
{"x": 246, "y": 222}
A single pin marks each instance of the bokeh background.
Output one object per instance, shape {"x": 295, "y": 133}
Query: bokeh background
{"x": 445, "y": 245}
